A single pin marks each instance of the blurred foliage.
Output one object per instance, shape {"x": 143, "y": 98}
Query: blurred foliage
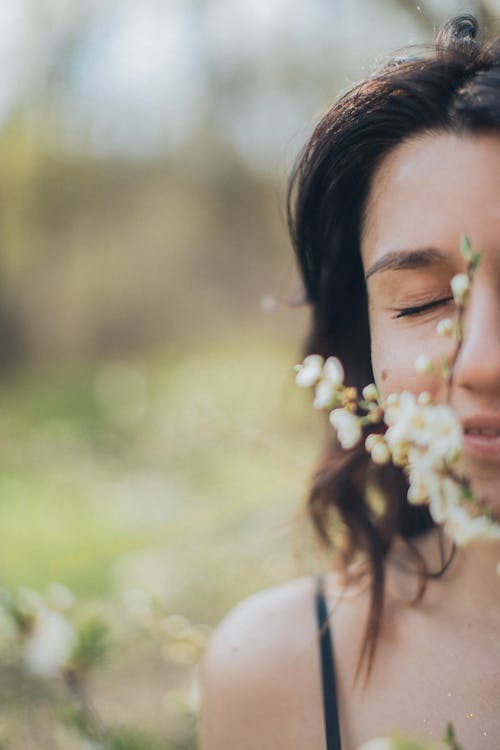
{"x": 143, "y": 475}
{"x": 151, "y": 438}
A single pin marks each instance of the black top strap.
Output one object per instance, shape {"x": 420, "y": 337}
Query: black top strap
{"x": 332, "y": 727}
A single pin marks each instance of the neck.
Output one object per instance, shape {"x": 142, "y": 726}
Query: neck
{"x": 470, "y": 585}
{"x": 473, "y": 580}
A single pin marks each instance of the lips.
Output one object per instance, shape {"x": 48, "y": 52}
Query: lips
{"x": 484, "y": 431}
{"x": 481, "y": 437}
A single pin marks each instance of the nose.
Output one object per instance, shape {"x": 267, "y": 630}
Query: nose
{"x": 477, "y": 368}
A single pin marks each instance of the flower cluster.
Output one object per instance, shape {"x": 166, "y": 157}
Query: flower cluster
{"x": 422, "y": 438}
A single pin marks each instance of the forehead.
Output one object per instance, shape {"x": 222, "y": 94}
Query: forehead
{"x": 429, "y": 191}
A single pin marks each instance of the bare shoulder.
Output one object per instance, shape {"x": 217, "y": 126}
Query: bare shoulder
{"x": 257, "y": 672}
{"x": 249, "y": 631}
{"x": 261, "y": 684}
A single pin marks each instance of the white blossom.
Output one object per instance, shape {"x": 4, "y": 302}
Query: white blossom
{"x": 324, "y": 393}
{"x": 460, "y": 287}
{"x": 423, "y": 364}
{"x": 445, "y": 495}
{"x": 424, "y": 398}
{"x": 348, "y": 427}
{"x": 420, "y": 486}
{"x": 445, "y": 327}
{"x": 465, "y": 529}
{"x": 434, "y": 429}
{"x": 422, "y": 438}
{"x": 28, "y": 601}
{"x": 309, "y": 372}
{"x": 50, "y": 643}
{"x": 333, "y": 372}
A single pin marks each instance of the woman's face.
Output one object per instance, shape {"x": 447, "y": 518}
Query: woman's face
{"x": 425, "y": 194}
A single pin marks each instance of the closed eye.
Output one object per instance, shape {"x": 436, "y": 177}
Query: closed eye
{"x": 418, "y": 309}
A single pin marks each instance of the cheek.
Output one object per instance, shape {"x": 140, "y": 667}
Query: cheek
{"x": 394, "y": 352}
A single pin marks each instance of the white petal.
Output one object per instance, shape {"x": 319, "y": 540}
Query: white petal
{"x": 333, "y": 371}
{"x": 309, "y": 372}
{"x": 348, "y": 427}
{"x": 324, "y": 394}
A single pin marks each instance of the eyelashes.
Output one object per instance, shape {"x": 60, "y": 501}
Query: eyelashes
{"x": 419, "y": 309}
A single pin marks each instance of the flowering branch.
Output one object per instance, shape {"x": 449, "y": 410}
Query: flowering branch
{"x": 422, "y": 438}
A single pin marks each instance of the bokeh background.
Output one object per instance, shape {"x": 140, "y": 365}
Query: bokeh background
{"x": 152, "y": 442}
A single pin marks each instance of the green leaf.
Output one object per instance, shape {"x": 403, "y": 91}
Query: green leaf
{"x": 92, "y": 644}
{"x": 474, "y": 262}
{"x": 466, "y": 248}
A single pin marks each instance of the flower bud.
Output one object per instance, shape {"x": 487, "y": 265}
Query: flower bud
{"x": 380, "y": 453}
{"x": 417, "y": 494}
{"x": 423, "y": 364}
{"x": 333, "y": 371}
{"x": 460, "y": 286}
{"x": 350, "y": 394}
{"x": 424, "y": 398}
{"x": 445, "y": 327}
{"x": 324, "y": 394}
{"x": 370, "y": 392}
{"x": 309, "y": 372}
{"x": 376, "y": 415}
{"x": 351, "y": 407}
{"x": 348, "y": 427}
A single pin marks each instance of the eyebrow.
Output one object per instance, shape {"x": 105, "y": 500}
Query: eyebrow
{"x": 403, "y": 260}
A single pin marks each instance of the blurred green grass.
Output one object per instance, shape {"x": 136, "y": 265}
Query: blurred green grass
{"x": 181, "y": 472}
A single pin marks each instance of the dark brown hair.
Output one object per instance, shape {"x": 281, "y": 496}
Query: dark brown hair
{"x": 455, "y": 87}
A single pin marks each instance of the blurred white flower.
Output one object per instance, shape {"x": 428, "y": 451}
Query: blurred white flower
{"x": 445, "y": 327}
{"x": 464, "y": 529}
{"x": 348, "y": 427}
{"x": 423, "y": 364}
{"x": 433, "y": 429}
{"x": 460, "y": 287}
{"x": 309, "y": 372}
{"x": 425, "y": 482}
{"x": 28, "y": 602}
{"x": 443, "y": 434}
{"x": 424, "y": 398}
{"x": 50, "y": 643}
